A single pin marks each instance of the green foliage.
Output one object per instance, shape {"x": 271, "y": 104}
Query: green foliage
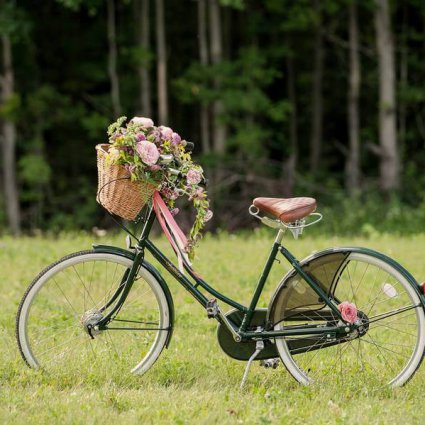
{"x": 62, "y": 105}
{"x": 298, "y": 15}
{"x": 10, "y": 107}
{"x": 138, "y": 56}
{"x": 236, "y": 4}
{"x": 33, "y": 169}
{"x": 14, "y": 22}
{"x": 242, "y": 88}
{"x": 92, "y": 6}
{"x": 193, "y": 381}
{"x": 71, "y": 4}
{"x": 95, "y": 125}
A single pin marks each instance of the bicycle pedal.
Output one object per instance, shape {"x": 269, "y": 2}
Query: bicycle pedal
{"x": 212, "y": 309}
{"x": 270, "y": 363}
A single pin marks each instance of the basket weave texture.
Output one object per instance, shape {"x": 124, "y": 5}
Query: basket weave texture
{"x": 116, "y": 192}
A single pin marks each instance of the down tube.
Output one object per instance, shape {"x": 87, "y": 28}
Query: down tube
{"x": 187, "y": 284}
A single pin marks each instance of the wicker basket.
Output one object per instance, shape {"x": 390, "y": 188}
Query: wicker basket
{"x": 116, "y": 192}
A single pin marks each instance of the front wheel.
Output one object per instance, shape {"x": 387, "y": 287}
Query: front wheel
{"x": 59, "y": 305}
{"x": 387, "y": 349}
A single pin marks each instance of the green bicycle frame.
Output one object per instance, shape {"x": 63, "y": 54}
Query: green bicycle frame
{"x": 242, "y": 333}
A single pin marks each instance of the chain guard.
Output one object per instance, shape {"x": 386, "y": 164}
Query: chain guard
{"x": 244, "y": 350}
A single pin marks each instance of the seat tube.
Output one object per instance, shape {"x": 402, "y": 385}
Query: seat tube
{"x": 264, "y": 275}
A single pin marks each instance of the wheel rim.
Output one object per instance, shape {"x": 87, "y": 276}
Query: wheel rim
{"x": 390, "y": 350}
{"x": 50, "y": 330}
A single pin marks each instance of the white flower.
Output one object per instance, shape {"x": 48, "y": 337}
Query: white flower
{"x": 208, "y": 216}
{"x": 142, "y": 121}
{"x": 113, "y": 154}
{"x": 148, "y": 152}
{"x": 193, "y": 176}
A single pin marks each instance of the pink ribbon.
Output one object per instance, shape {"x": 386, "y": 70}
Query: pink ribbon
{"x": 172, "y": 231}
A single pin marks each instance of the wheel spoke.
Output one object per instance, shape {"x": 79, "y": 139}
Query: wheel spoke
{"x": 388, "y": 349}
{"x": 64, "y": 300}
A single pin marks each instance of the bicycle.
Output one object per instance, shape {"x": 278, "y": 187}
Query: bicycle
{"x": 111, "y": 301}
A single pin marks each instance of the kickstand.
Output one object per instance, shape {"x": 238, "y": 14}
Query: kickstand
{"x": 259, "y": 346}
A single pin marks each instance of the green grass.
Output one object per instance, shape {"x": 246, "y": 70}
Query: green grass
{"x": 193, "y": 381}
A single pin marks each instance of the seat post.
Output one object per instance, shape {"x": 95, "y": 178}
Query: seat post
{"x": 279, "y": 236}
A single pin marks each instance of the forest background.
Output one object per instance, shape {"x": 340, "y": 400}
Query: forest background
{"x": 321, "y": 98}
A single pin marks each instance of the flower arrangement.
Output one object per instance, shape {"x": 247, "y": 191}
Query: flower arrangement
{"x": 159, "y": 156}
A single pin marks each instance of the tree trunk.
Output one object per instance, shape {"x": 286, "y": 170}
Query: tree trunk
{"x": 389, "y": 157}
{"x": 143, "y": 68}
{"x": 112, "y": 60}
{"x": 161, "y": 64}
{"x": 11, "y": 196}
{"x": 404, "y": 72}
{"x": 291, "y": 163}
{"x": 203, "y": 58}
{"x": 317, "y": 96}
{"x": 353, "y": 160}
{"x": 219, "y": 129}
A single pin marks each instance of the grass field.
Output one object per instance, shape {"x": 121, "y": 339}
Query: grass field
{"x": 193, "y": 381}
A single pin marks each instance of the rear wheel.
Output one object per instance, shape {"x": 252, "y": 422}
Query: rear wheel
{"x": 60, "y": 304}
{"x": 387, "y": 350}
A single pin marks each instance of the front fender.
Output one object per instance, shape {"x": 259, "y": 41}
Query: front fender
{"x": 108, "y": 249}
{"x": 335, "y": 257}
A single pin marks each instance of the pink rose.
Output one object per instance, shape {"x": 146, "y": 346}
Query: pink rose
{"x": 148, "y": 152}
{"x": 140, "y": 137}
{"x": 348, "y": 311}
{"x": 142, "y": 121}
{"x": 155, "y": 136}
{"x": 193, "y": 176}
{"x": 198, "y": 193}
{"x": 169, "y": 194}
{"x": 208, "y": 216}
{"x": 176, "y": 139}
{"x": 166, "y": 132}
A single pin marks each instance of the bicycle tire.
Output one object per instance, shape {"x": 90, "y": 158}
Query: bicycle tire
{"x": 391, "y": 349}
{"x": 56, "y": 301}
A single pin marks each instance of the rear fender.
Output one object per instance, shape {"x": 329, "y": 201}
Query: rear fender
{"x": 342, "y": 253}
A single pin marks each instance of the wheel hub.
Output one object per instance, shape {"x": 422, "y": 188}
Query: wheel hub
{"x": 361, "y": 326}
{"x": 89, "y": 321}
{"x": 362, "y": 323}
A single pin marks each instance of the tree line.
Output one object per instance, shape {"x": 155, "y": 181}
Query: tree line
{"x": 280, "y": 97}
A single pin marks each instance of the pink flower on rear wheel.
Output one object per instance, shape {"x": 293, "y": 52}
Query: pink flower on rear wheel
{"x": 348, "y": 311}
{"x": 148, "y": 152}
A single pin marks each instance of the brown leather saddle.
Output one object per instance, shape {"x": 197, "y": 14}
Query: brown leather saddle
{"x": 287, "y": 210}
